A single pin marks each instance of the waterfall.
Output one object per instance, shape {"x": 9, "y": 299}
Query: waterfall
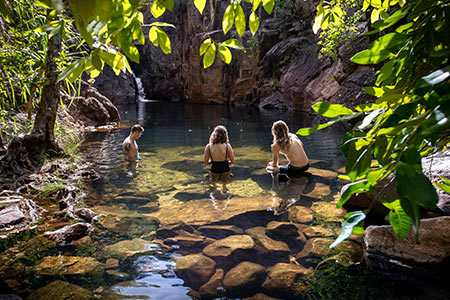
{"x": 140, "y": 88}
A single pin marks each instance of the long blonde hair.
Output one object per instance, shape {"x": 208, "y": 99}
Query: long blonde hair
{"x": 280, "y": 132}
{"x": 219, "y": 135}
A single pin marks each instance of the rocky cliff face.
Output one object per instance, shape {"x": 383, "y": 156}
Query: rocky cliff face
{"x": 280, "y": 69}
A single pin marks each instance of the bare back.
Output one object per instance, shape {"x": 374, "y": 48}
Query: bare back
{"x": 295, "y": 153}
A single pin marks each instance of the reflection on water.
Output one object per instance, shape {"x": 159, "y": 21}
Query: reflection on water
{"x": 171, "y": 183}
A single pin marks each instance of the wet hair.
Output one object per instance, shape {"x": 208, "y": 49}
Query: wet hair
{"x": 280, "y": 132}
{"x": 137, "y": 127}
{"x": 219, "y": 135}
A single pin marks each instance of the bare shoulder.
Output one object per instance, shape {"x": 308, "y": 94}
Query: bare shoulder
{"x": 229, "y": 145}
{"x": 275, "y": 146}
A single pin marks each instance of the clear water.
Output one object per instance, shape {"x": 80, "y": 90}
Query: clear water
{"x": 171, "y": 171}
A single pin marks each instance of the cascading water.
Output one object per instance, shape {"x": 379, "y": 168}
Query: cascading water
{"x": 140, "y": 88}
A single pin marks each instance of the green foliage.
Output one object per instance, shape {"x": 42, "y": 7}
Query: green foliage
{"x": 352, "y": 222}
{"x": 51, "y": 188}
{"x": 444, "y": 186}
{"x": 411, "y": 117}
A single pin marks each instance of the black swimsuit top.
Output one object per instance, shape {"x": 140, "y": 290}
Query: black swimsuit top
{"x": 219, "y": 166}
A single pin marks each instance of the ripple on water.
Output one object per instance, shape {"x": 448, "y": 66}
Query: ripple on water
{"x": 156, "y": 280}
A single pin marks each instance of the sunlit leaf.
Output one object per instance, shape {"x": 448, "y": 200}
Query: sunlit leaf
{"x": 253, "y": 22}
{"x": 268, "y": 5}
{"x": 204, "y": 46}
{"x": 319, "y": 18}
{"x": 233, "y": 43}
{"x": 200, "y": 5}
{"x": 228, "y": 19}
{"x": 256, "y": 4}
{"x": 331, "y": 110}
{"x": 225, "y": 54}
{"x": 162, "y": 24}
{"x": 209, "y": 56}
{"x": 351, "y": 220}
{"x": 398, "y": 218}
{"x": 157, "y": 9}
{"x": 369, "y": 57}
{"x": 239, "y": 20}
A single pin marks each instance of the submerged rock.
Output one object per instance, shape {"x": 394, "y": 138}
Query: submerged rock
{"x": 68, "y": 265}
{"x": 220, "y": 231}
{"x": 214, "y": 287}
{"x": 269, "y": 250}
{"x": 244, "y": 279}
{"x": 195, "y": 269}
{"x": 286, "y": 281}
{"x": 61, "y": 290}
{"x": 231, "y": 250}
{"x": 129, "y": 248}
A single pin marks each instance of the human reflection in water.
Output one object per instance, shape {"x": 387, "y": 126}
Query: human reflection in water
{"x": 287, "y": 191}
{"x": 131, "y": 170}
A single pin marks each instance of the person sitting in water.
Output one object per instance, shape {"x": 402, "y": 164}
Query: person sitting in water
{"x": 129, "y": 145}
{"x": 219, "y": 153}
{"x": 291, "y": 146}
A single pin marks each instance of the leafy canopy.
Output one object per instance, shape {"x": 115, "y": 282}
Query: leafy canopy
{"x": 410, "y": 118}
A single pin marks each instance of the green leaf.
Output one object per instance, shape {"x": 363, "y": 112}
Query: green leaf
{"x": 157, "y": 9}
{"x": 268, "y": 5}
{"x": 438, "y": 121}
{"x": 319, "y": 18}
{"x": 351, "y": 220}
{"x": 239, "y": 20}
{"x": 414, "y": 186}
{"x": 308, "y": 130}
{"x": 228, "y": 19}
{"x": 253, "y": 22}
{"x": 255, "y": 4}
{"x": 388, "y": 41}
{"x": 442, "y": 186}
{"x": 225, "y": 54}
{"x": 103, "y": 9}
{"x": 200, "y": 5}
{"x": 355, "y": 187}
{"x": 132, "y": 52}
{"x": 369, "y": 118}
{"x": 159, "y": 38}
{"x": 413, "y": 211}
{"x": 210, "y": 56}
{"x": 96, "y": 61}
{"x": 398, "y": 218}
{"x": 73, "y": 71}
{"x": 205, "y": 45}
{"x": 403, "y": 112}
{"x": 331, "y": 110}
{"x": 168, "y": 4}
{"x": 434, "y": 78}
{"x": 369, "y": 57}
{"x": 233, "y": 43}
{"x": 162, "y": 24}
{"x": 411, "y": 156}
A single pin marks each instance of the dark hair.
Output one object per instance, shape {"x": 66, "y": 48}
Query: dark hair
{"x": 280, "y": 132}
{"x": 137, "y": 127}
{"x": 219, "y": 135}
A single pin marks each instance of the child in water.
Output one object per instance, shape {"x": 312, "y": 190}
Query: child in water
{"x": 219, "y": 153}
{"x": 290, "y": 145}
{"x": 129, "y": 145}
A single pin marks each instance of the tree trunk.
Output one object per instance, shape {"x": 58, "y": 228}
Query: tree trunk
{"x": 25, "y": 153}
{"x": 44, "y": 123}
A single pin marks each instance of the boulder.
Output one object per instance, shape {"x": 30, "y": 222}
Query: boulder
{"x": 433, "y": 245}
{"x": 268, "y": 250}
{"x": 66, "y": 235}
{"x": 317, "y": 231}
{"x": 220, "y": 231}
{"x": 301, "y": 214}
{"x": 213, "y": 289}
{"x": 195, "y": 269}
{"x": 283, "y": 231}
{"x": 231, "y": 250}
{"x": 68, "y": 265}
{"x": 172, "y": 230}
{"x": 286, "y": 281}
{"x": 61, "y": 290}
{"x": 244, "y": 279}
